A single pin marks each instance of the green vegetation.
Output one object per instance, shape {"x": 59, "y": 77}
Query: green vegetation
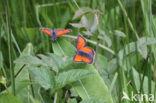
{"x": 35, "y": 69}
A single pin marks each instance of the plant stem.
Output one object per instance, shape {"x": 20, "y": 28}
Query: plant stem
{"x": 10, "y": 48}
{"x": 76, "y": 4}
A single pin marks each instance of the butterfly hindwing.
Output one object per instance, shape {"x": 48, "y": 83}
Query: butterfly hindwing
{"x": 60, "y": 32}
{"x": 77, "y": 58}
{"x": 88, "y": 50}
{"x": 47, "y": 31}
{"x": 81, "y": 42}
{"x": 88, "y": 60}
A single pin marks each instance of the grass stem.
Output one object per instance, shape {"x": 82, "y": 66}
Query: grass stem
{"x": 10, "y": 48}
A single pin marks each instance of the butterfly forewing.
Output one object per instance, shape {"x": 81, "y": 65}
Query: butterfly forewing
{"x": 47, "y": 31}
{"x": 81, "y": 42}
{"x": 60, "y": 32}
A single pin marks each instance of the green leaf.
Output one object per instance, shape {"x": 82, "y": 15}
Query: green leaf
{"x": 145, "y": 83}
{"x": 84, "y": 21}
{"x": 92, "y": 100}
{"x": 28, "y": 59}
{"x": 71, "y": 76}
{"x": 142, "y": 47}
{"x": 44, "y": 77}
{"x": 8, "y": 98}
{"x": 72, "y": 101}
{"x": 77, "y": 25}
{"x": 102, "y": 63}
{"x": 63, "y": 48}
{"x": 82, "y": 24}
{"x": 52, "y": 60}
{"x": 119, "y": 33}
{"x": 92, "y": 86}
{"x": 22, "y": 81}
{"x": 81, "y": 12}
{"x": 93, "y": 23}
{"x": 57, "y": 59}
{"x": 88, "y": 33}
{"x": 105, "y": 37}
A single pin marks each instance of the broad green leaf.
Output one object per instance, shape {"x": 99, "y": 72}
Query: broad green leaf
{"x": 77, "y": 25}
{"x": 52, "y": 60}
{"x": 119, "y": 33}
{"x": 88, "y": 33}
{"x": 44, "y": 77}
{"x": 92, "y": 100}
{"x": 81, "y": 12}
{"x": 22, "y": 84}
{"x": 107, "y": 40}
{"x": 73, "y": 92}
{"x": 71, "y": 76}
{"x": 102, "y": 63}
{"x": 94, "y": 24}
{"x": 63, "y": 48}
{"x": 142, "y": 47}
{"x": 22, "y": 90}
{"x": 57, "y": 59}
{"x": 22, "y": 81}
{"x": 145, "y": 83}
{"x": 28, "y": 59}
{"x": 91, "y": 86}
{"x": 72, "y": 101}
{"x": 8, "y": 98}
{"x": 105, "y": 37}
{"x": 82, "y": 24}
{"x": 84, "y": 21}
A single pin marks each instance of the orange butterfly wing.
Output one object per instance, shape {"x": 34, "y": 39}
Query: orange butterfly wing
{"x": 77, "y": 58}
{"x": 81, "y": 42}
{"x": 87, "y": 60}
{"x": 47, "y": 31}
{"x": 60, "y": 32}
{"x": 88, "y": 50}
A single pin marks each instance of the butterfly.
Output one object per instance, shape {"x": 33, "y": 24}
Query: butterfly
{"x": 56, "y": 32}
{"x": 83, "y": 54}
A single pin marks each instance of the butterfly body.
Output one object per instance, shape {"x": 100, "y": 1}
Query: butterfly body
{"x": 56, "y": 32}
{"x": 83, "y": 54}
{"x": 54, "y": 35}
